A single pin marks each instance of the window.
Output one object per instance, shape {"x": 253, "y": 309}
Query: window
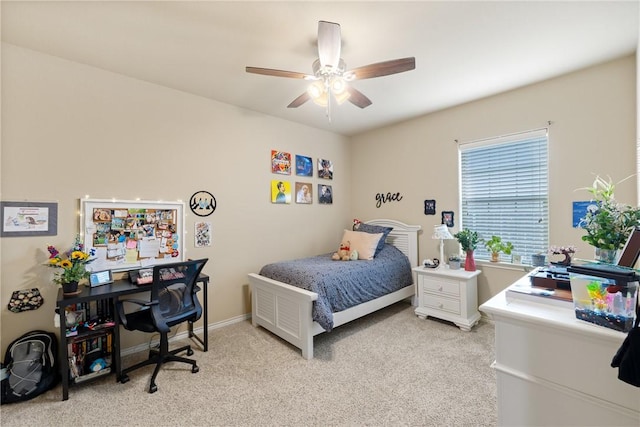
{"x": 504, "y": 191}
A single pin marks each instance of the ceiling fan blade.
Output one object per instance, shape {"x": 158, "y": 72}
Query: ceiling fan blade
{"x": 357, "y": 98}
{"x": 278, "y": 73}
{"x": 329, "y": 44}
{"x": 299, "y": 100}
{"x": 380, "y": 69}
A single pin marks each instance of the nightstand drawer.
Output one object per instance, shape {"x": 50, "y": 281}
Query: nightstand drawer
{"x": 441, "y": 285}
{"x": 445, "y": 304}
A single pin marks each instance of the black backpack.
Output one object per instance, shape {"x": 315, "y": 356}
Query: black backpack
{"x": 31, "y": 363}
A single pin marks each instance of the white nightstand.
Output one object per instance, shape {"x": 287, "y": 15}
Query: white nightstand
{"x": 449, "y": 295}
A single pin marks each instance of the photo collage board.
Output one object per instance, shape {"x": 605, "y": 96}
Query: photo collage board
{"x": 132, "y": 234}
{"x": 302, "y": 190}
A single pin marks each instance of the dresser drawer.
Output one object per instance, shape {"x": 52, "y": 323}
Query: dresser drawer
{"x": 441, "y": 285}
{"x": 444, "y": 304}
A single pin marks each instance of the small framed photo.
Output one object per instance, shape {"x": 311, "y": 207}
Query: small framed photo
{"x": 447, "y": 218}
{"x": 429, "y": 207}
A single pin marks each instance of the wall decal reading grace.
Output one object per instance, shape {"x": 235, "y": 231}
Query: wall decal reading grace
{"x": 389, "y": 197}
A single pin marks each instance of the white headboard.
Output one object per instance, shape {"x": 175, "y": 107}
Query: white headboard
{"x": 403, "y": 236}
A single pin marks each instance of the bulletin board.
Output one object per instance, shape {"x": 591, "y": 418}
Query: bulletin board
{"x": 132, "y": 234}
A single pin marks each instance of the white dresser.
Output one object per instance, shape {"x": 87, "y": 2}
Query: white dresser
{"x": 449, "y": 295}
{"x": 555, "y": 370}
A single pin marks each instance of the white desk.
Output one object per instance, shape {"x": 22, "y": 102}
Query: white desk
{"x": 553, "y": 369}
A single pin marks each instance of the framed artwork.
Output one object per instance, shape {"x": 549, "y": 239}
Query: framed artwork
{"x": 280, "y": 192}
{"x": 202, "y": 234}
{"x": 447, "y": 218}
{"x": 21, "y": 219}
{"x": 280, "y": 162}
{"x": 325, "y": 194}
{"x": 304, "y": 166}
{"x": 304, "y": 193}
{"x": 325, "y": 169}
{"x": 429, "y": 207}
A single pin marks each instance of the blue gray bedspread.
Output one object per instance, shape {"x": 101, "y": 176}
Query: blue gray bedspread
{"x": 343, "y": 284}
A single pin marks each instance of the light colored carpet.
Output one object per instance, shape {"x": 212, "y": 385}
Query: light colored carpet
{"x": 388, "y": 369}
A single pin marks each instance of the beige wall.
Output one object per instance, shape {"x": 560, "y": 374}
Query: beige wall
{"x": 69, "y": 130}
{"x": 593, "y": 114}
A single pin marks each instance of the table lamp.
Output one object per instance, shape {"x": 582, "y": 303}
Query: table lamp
{"x": 441, "y": 232}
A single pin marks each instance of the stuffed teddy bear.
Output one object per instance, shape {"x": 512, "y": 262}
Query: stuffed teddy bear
{"x": 344, "y": 253}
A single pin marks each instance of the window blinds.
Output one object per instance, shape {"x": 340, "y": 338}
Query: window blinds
{"x": 504, "y": 191}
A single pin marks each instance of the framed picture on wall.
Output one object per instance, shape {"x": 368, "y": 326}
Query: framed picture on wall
{"x": 447, "y": 218}
{"x": 304, "y": 165}
{"x": 325, "y": 194}
{"x": 325, "y": 169}
{"x": 280, "y": 162}
{"x": 280, "y": 192}
{"x": 304, "y": 192}
{"x": 21, "y": 219}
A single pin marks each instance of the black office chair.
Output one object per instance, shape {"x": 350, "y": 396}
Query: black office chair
{"x": 172, "y": 301}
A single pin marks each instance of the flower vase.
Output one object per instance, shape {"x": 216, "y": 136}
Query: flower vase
{"x": 606, "y": 255}
{"x": 469, "y": 262}
{"x": 70, "y": 288}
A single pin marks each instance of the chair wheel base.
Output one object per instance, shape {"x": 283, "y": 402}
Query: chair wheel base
{"x": 194, "y": 369}
{"x": 153, "y": 388}
{"x": 189, "y": 352}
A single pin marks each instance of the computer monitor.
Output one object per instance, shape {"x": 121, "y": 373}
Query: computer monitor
{"x": 631, "y": 251}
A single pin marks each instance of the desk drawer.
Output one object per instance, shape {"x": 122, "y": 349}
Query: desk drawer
{"x": 441, "y": 285}
{"x": 444, "y": 304}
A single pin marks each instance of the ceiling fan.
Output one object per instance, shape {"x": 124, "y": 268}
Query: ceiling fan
{"x": 330, "y": 76}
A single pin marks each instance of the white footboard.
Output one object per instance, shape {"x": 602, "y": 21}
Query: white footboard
{"x": 284, "y": 310}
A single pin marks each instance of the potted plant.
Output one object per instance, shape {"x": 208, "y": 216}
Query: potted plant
{"x": 71, "y": 269}
{"x": 495, "y": 245}
{"x": 469, "y": 242}
{"x": 454, "y": 262}
{"x": 607, "y": 223}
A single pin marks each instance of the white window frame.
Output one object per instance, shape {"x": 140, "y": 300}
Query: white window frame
{"x": 504, "y": 191}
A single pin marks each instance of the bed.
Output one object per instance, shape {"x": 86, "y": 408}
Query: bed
{"x": 287, "y": 309}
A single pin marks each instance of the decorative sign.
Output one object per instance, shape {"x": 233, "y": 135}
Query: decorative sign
{"x": 429, "y": 207}
{"x": 202, "y": 203}
{"x": 389, "y": 197}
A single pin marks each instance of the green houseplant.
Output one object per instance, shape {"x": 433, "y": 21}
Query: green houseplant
{"x": 607, "y": 222}
{"x": 469, "y": 242}
{"x": 495, "y": 245}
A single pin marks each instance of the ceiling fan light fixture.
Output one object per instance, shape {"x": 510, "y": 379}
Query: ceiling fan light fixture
{"x": 315, "y": 89}
{"x": 338, "y": 85}
{"x": 341, "y": 97}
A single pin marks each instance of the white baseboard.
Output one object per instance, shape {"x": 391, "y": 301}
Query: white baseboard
{"x": 183, "y": 335}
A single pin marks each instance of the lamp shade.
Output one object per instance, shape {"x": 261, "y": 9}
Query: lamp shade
{"x": 441, "y": 232}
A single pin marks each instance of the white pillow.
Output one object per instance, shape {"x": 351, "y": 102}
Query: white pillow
{"x": 364, "y": 243}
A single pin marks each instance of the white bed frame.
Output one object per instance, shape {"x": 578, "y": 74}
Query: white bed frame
{"x": 285, "y": 310}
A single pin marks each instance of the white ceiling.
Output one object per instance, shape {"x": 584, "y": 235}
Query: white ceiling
{"x": 463, "y": 50}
